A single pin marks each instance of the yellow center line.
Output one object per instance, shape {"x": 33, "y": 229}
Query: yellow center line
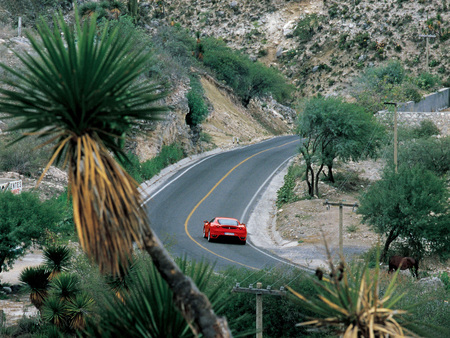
{"x": 210, "y": 192}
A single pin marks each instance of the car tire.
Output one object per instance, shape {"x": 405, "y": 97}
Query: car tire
{"x": 204, "y": 232}
{"x": 209, "y": 236}
{"x": 243, "y": 242}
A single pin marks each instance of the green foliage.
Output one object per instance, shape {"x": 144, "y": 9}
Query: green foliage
{"x": 445, "y": 278}
{"x": 427, "y": 81}
{"x": 332, "y": 128}
{"x": 431, "y": 153}
{"x": 198, "y": 110}
{"x": 280, "y": 313}
{"x": 362, "y": 39}
{"x": 148, "y": 307}
{"x": 388, "y": 82}
{"x": 22, "y": 157}
{"x": 426, "y": 129}
{"x": 305, "y": 27}
{"x": 411, "y": 205}
{"x": 56, "y": 259}
{"x": 248, "y": 79}
{"x": 168, "y": 155}
{"x": 286, "y": 193}
{"x": 24, "y": 220}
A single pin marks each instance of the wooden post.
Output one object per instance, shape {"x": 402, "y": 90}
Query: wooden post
{"x": 341, "y": 222}
{"x": 427, "y": 37}
{"x": 19, "y": 27}
{"x": 395, "y": 135}
{"x": 341, "y": 235}
{"x": 259, "y": 317}
{"x": 259, "y": 307}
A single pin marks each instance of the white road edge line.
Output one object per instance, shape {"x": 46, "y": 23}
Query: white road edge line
{"x": 167, "y": 184}
{"x": 248, "y": 207}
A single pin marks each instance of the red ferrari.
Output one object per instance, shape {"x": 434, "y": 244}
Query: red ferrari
{"x": 224, "y": 227}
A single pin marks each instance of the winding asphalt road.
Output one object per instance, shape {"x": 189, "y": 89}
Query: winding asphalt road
{"x": 225, "y": 184}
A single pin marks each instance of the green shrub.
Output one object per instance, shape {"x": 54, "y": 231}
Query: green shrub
{"x": 168, "y": 155}
{"x": 248, "y": 79}
{"x": 426, "y": 129}
{"x": 362, "y": 39}
{"x": 198, "y": 109}
{"x": 305, "y": 27}
{"x": 427, "y": 80}
{"x": 286, "y": 193}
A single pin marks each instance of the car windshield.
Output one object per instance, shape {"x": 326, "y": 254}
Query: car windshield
{"x": 222, "y": 221}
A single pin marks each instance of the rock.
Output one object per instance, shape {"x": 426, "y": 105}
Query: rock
{"x": 220, "y": 14}
{"x": 362, "y": 58}
{"x": 7, "y": 289}
{"x": 233, "y": 4}
{"x": 315, "y": 69}
{"x": 432, "y": 282}
{"x": 279, "y": 52}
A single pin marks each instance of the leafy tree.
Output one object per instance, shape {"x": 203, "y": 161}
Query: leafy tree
{"x": 431, "y": 153}
{"x": 412, "y": 206}
{"x": 82, "y": 91}
{"x": 331, "y": 129}
{"x": 23, "y": 221}
{"x": 247, "y": 78}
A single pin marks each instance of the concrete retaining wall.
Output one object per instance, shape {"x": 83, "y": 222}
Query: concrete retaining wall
{"x": 430, "y": 103}
{"x": 433, "y": 107}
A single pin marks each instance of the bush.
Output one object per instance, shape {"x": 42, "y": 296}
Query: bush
{"x": 362, "y": 39}
{"x": 22, "y": 157}
{"x": 169, "y": 154}
{"x": 305, "y": 27}
{"x": 286, "y": 193}
{"x": 426, "y": 129}
{"x": 248, "y": 79}
{"x": 198, "y": 109}
{"x": 427, "y": 81}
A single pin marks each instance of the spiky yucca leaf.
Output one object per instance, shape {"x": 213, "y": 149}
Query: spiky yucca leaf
{"x": 65, "y": 286}
{"x": 54, "y": 311}
{"x": 56, "y": 259}
{"x": 36, "y": 281}
{"x": 78, "y": 308}
{"x": 81, "y": 93}
{"x": 352, "y": 304}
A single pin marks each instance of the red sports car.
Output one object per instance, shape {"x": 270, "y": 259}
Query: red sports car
{"x": 224, "y": 227}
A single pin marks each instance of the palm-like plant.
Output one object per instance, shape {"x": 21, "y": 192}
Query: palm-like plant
{"x": 36, "y": 281}
{"x": 56, "y": 259}
{"x": 78, "y": 308}
{"x": 80, "y": 92}
{"x": 351, "y": 303}
{"x": 65, "y": 286}
{"x": 54, "y": 311}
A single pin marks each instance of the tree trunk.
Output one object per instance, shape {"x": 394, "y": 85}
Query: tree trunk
{"x": 391, "y": 237}
{"x": 311, "y": 186}
{"x": 330, "y": 173}
{"x": 316, "y": 186}
{"x": 193, "y": 305}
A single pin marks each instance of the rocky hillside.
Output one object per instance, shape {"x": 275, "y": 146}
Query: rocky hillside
{"x": 320, "y": 45}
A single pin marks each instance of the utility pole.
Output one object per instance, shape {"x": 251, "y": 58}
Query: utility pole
{"x": 427, "y": 36}
{"x": 341, "y": 221}
{"x": 259, "y": 308}
{"x": 395, "y": 135}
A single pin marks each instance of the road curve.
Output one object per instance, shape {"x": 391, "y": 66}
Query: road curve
{"x": 225, "y": 184}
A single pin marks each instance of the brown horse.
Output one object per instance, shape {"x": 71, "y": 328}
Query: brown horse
{"x": 403, "y": 263}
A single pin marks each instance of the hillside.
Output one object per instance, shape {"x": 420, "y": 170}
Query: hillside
{"x": 321, "y": 45}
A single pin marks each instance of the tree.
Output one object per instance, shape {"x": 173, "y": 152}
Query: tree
{"x": 83, "y": 92}
{"x": 23, "y": 221}
{"x": 411, "y": 206}
{"x": 331, "y": 129}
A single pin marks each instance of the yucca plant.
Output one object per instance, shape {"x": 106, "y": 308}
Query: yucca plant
{"x": 350, "y": 302}
{"x": 56, "y": 259}
{"x": 54, "y": 311}
{"x": 80, "y": 92}
{"x": 65, "y": 286}
{"x": 36, "y": 282}
{"x": 147, "y": 308}
{"x": 78, "y": 308}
